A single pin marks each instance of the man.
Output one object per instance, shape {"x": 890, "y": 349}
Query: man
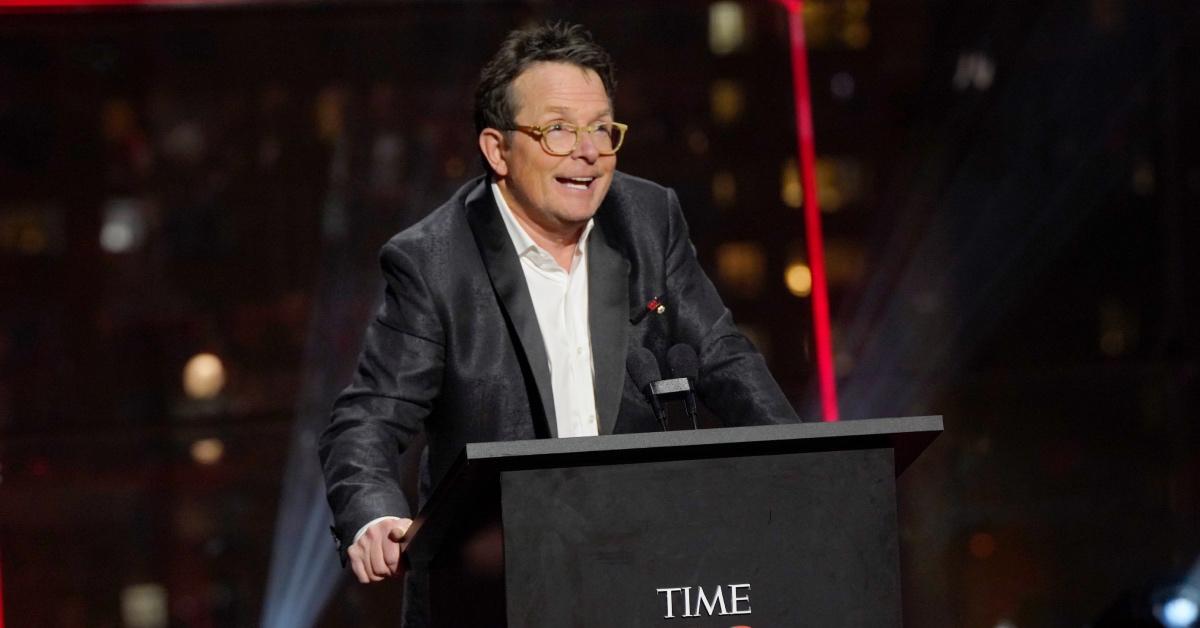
{"x": 510, "y": 310}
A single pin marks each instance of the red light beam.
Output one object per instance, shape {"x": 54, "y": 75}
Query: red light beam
{"x": 806, "y": 144}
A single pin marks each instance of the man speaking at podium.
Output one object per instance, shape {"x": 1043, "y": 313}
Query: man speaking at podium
{"x": 511, "y": 310}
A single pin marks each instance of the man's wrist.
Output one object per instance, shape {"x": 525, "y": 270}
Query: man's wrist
{"x": 363, "y": 530}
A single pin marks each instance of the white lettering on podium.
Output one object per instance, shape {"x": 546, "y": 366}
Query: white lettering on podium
{"x": 708, "y": 604}
{"x": 734, "y": 599}
{"x": 670, "y": 612}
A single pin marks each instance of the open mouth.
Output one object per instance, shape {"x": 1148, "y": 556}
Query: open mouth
{"x": 576, "y": 183}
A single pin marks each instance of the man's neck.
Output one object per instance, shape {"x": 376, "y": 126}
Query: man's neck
{"x": 560, "y": 243}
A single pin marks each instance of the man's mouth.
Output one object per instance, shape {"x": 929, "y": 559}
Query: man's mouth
{"x": 576, "y": 183}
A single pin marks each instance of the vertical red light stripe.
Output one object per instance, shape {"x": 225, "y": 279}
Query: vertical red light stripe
{"x": 805, "y": 141}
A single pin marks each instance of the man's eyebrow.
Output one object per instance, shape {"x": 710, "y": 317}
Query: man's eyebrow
{"x": 561, "y": 110}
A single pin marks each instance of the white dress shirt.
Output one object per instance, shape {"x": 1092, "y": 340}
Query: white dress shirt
{"x": 560, "y": 302}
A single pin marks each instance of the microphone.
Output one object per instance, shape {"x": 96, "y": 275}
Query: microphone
{"x": 643, "y": 368}
{"x": 684, "y": 364}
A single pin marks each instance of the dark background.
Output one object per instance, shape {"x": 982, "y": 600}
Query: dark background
{"x": 1009, "y": 195}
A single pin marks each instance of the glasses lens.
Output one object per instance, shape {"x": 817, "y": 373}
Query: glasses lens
{"x": 603, "y": 138}
{"x": 560, "y": 139}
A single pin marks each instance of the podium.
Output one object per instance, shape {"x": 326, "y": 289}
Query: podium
{"x": 766, "y": 526}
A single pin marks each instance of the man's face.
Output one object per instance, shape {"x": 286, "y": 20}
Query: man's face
{"x": 559, "y": 194}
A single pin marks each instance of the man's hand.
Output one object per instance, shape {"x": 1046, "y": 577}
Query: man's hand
{"x": 376, "y": 554}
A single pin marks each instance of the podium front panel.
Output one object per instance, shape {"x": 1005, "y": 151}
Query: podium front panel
{"x": 786, "y": 540}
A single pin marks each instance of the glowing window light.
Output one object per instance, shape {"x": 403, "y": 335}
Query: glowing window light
{"x": 976, "y": 70}
{"x": 203, "y": 376}
{"x": 740, "y": 266}
{"x": 799, "y": 279}
{"x": 726, "y": 27}
{"x": 727, "y": 100}
{"x": 330, "y": 113}
{"x": 791, "y": 191}
{"x": 820, "y": 23}
{"x": 144, "y": 605}
{"x": 724, "y": 189}
{"x": 208, "y": 451}
{"x": 124, "y": 227}
{"x": 856, "y": 34}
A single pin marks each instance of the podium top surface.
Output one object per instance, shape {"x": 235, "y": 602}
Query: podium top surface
{"x": 908, "y": 436}
{"x": 456, "y": 494}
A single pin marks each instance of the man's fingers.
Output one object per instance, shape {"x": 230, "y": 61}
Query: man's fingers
{"x": 379, "y": 566}
{"x": 397, "y": 533}
{"x": 376, "y": 554}
{"x": 360, "y": 572}
{"x": 391, "y": 554}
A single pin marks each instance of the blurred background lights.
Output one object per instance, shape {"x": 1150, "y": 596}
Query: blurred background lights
{"x": 841, "y": 85}
{"x": 144, "y": 606}
{"x": 982, "y": 545}
{"x": 203, "y": 376}
{"x": 740, "y": 267}
{"x": 124, "y": 226}
{"x": 726, "y": 27}
{"x": 330, "y": 112}
{"x": 31, "y": 230}
{"x": 856, "y": 34}
{"x": 799, "y": 279}
{"x": 1177, "y": 606}
{"x": 724, "y": 188}
{"x": 1179, "y": 612}
{"x": 975, "y": 70}
{"x": 208, "y": 451}
{"x": 727, "y": 100}
{"x": 791, "y": 192}
{"x": 184, "y": 142}
{"x": 831, "y": 24}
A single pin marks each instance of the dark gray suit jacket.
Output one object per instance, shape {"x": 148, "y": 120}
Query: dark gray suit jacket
{"x": 455, "y": 348}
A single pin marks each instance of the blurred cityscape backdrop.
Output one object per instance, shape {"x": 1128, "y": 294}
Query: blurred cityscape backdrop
{"x": 192, "y": 198}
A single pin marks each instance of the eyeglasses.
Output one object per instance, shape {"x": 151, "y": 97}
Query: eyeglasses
{"x": 561, "y": 138}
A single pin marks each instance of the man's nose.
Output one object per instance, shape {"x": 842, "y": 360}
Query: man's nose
{"x": 586, "y": 149}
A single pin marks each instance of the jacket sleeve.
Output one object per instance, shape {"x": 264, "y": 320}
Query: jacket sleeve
{"x": 734, "y": 381}
{"x": 398, "y": 377}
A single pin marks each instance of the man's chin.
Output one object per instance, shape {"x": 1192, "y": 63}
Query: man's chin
{"x": 576, "y": 211}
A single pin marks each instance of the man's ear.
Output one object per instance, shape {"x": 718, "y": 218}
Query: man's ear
{"x": 491, "y": 144}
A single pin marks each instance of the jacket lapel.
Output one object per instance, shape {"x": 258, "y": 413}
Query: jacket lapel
{"x": 608, "y": 310}
{"x": 508, "y": 280}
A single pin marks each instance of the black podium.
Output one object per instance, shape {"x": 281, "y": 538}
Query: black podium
{"x": 771, "y": 526}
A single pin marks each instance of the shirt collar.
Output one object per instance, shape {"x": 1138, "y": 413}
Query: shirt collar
{"x": 520, "y": 238}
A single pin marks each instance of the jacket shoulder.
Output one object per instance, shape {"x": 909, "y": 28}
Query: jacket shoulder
{"x": 639, "y": 189}
{"x": 639, "y": 205}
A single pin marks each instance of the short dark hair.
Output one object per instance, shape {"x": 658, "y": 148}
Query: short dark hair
{"x": 557, "y": 41}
